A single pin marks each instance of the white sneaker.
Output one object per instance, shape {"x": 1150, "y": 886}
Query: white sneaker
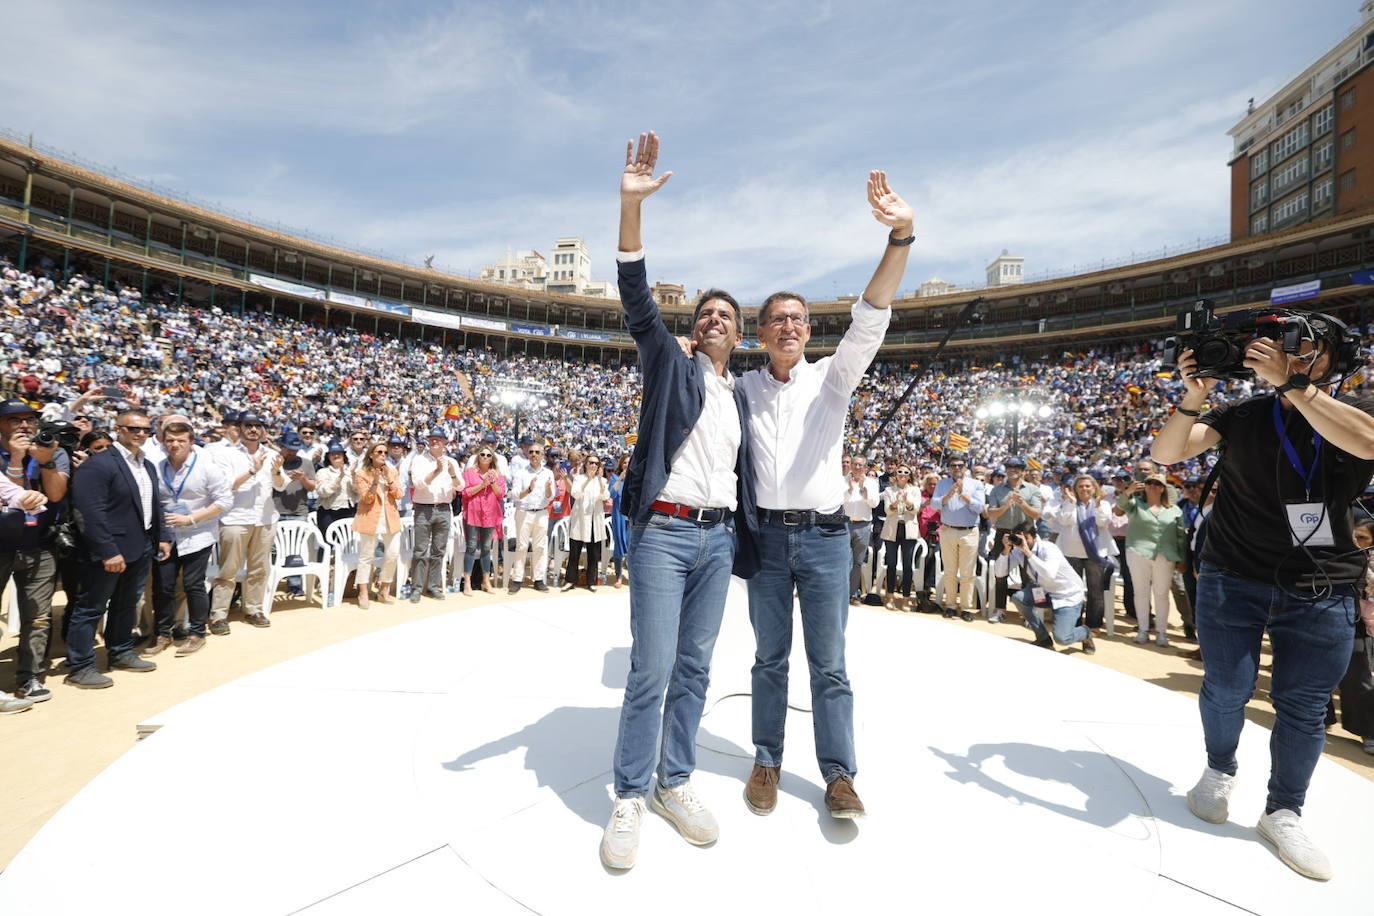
{"x": 1208, "y": 799}
{"x": 620, "y": 842}
{"x": 1283, "y": 831}
{"x": 682, "y": 809}
{"x": 9, "y": 704}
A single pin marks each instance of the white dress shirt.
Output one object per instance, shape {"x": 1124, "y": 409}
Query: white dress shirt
{"x": 145, "y": 483}
{"x": 441, "y": 489}
{"x": 200, "y": 483}
{"x": 860, "y": 500}
{"x": 702, "y": 473}
{"x": 253, "y": 503}
{"x": 1071, "y": 540}
{"x": 1049, "y": 570}
{"x": 796, "y": 427}
{"x": 539, "y": 495}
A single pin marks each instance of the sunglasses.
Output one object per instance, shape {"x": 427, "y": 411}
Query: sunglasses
{"x": 138, "y": 429}
{"x": 485, "y": 455}
{"x": 536, "y": 451}
{"x": 253, "y": 426}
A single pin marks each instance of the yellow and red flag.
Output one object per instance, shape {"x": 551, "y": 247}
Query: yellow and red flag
{"x": 454, "y": 412}
{"x": 957, "y": 442}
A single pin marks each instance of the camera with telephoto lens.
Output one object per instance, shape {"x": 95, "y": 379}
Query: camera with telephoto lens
{"x": 1218, "y": 343}
{"x": 1017, "y": 540}
{"x": 64, "y": 435}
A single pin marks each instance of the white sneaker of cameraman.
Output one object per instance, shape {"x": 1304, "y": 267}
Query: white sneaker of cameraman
{"x": 1283, "y": 830}
{"x": 620, "y": 842}
{"x": 1209, "y": 798}
{"x": 682, "y": 809}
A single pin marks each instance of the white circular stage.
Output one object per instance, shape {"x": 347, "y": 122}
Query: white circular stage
{"x": 462, "y": 764}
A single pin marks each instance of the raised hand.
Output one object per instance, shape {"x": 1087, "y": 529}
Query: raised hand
{"x": 638, "y": 181}
{"x": 889, "y": 208}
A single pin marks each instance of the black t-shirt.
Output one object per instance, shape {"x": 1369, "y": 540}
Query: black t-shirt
{"x": 1248, "y": 532}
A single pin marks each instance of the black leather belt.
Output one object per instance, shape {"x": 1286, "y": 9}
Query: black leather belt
{"x": 959, "y": 527}
{"x": 802, "y": 518}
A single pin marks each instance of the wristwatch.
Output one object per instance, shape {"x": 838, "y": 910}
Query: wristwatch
{"x": 900, "y": 243}
{"x": 1298, "y": 381}
{"x": 48, "y": 465}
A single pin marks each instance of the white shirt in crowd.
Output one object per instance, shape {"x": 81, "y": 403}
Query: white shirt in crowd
{"x": 441, "y": 490}
{"x": 702, "y": 473}
{"x": 253, "y": 503}
{"x": 860, "y": 498}
{"x": 145, "y": 483}
{"x": 1049, "y": 570}
{"x": 199, "y": 484}
{"x": 1071, "y": 541}
{"x": 539, "y": 494}
{"x": 796, "y": 427}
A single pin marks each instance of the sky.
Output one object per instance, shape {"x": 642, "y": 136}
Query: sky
{"x": 1069, "y": 132}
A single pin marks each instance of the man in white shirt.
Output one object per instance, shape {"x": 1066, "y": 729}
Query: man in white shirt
{"x": 194, "y": 492}
{"x": 357, "y": 448}
{"x": 531, "y": 489}
{"x": 860, "y": 499}
{"x": 797, "y": 414}
{"x": 1052, "y": 583}
{"x": 433, "y": 477}
{"x": 246, "y": 530}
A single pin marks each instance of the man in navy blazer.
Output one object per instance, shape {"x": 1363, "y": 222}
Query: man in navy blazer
{"x": 114, "y": 496}
{"x": 689, "y": 498}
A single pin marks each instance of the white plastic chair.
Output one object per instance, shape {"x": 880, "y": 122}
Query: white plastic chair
{"x": 12, "y": 605}
{"x": 300, "y": 539}
{"x": 341, "y": 542}
{"x": 403, "y": 551}
{"x": 558, "y": 552}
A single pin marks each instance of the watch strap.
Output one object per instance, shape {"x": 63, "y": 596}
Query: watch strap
{"x": 900, "y": 243}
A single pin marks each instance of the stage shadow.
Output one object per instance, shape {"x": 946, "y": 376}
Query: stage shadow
{"x": 1098, "y": 776}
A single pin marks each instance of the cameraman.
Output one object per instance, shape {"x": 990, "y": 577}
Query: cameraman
{"x": 1279, "y": 556}
{"x": 1048, "y": 578}
{"x": 26, "y": 550}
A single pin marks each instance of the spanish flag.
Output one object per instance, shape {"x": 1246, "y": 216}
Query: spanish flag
{"x": 454, "y": 412}
{"x": 957, "y": 442}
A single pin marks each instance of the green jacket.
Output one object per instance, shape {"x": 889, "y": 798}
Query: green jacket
{"x": 1149, "y": 534}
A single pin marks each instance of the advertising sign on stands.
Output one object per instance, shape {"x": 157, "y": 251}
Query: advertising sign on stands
{"x": 1281, "y": 294}
{"x": 362, "y": 302}
{"x": 533, "y": 330}
{"x": 282, "y": 286}
{"x": 437, "y": 319}
{"x": 583, "y": 335}
{"x": 485, "y": 324}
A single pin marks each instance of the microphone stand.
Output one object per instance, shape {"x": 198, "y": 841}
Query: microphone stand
{"x": 959, "y": 320}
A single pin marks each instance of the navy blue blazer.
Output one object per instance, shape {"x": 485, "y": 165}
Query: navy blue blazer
{"x": 673, "y": 398}
{"x": 109, "y": 511}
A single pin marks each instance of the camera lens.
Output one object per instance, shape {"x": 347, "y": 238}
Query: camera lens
{"x": 1216, "y": 351}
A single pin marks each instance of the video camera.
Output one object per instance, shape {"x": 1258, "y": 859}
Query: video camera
{"x": 1218, "y": 343}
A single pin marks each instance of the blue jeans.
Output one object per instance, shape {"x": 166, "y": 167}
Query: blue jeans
{"x": 677, "y": 599}
{"x": 119, "y": 591}
{"x": 1311, "y": 644}
{"x": 815, "y": 561}
{"x": 1066, "y": 629}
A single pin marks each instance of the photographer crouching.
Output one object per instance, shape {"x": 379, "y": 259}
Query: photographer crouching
{"x": 1279, "y": 554}
{"x": 1047, "y": 582}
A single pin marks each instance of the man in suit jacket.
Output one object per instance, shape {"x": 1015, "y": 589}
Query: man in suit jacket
{"x": 689, "y": 498}
{"x": 114, "y": 495}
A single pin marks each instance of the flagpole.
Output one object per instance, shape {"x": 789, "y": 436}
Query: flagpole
{"x": 959, "y": 319}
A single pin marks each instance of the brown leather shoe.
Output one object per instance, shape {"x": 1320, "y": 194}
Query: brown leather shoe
{"x": 841, "y": 800}
{"x": 192, "y": 644}
{"x": 162, "y": 644}
{"x": 761, "y": 791}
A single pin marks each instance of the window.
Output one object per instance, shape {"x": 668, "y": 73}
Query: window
{"x": 1290, "y": 208}
{"x": 1259, "y": 163}
{"x": 1290, "y": 174}
{"x": 1259, "y": 195}
{"x": 1290, "y": 142}
{"x": 1260, "y": 224}
{"x": 1348, "y": 181}
{"x": 1321, "y": 157}
{"x": 1348, "y": 99}
{"x": 1348, "y": 140}
{"x": 1322, "y": 193}
{"x": 1323, "y": 121}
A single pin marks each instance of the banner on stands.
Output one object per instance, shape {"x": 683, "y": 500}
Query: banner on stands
{"x": 1299, "y": 291}
{"x": 533, "y": 330}
{"x": 283, "y": 286}
{"x": 485, "y": 324}
{"x": 437, "y": 319}
{"x": 583, "y": 335}
{"x": 362, "y": 302}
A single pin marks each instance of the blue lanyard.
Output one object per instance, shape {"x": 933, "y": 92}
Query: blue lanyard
{"x": 176, "y": 494}
{"x": 1292, "y": 452}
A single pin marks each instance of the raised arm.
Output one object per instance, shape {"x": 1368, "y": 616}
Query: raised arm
{"x": 641, "y": 312}
{"x": 637, "y": 183}
{"x": 890, "y": 210}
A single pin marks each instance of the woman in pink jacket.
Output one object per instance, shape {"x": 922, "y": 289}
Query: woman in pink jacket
{"x": 483, "y": 490}
{"x": 379, "y": 490}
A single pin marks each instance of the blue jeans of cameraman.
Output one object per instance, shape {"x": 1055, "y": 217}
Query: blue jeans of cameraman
{"x": 1066, "y": 630}
{"x": 1310, "y": 639}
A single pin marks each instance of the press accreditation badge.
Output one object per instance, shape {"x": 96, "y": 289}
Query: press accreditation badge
{"x": 179, "y": 509}
{"x": 1039, "y": 595}
{"x": 1310, "y": 525}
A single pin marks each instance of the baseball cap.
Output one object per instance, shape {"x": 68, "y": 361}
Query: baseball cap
{"x": 14, "y": 406}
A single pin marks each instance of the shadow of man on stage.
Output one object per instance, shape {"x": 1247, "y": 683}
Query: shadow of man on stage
{"x": 1095, "y": 774}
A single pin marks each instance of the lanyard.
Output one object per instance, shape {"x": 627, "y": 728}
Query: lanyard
{"x": 1292, "y": 452}
{"x": 176, "y": 494}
